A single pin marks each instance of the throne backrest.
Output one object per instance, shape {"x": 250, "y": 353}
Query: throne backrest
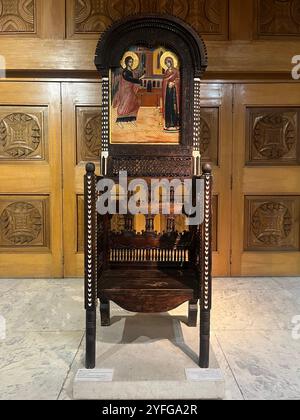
{"x": 151, "y": 68}
{"x": 147, "y": 237}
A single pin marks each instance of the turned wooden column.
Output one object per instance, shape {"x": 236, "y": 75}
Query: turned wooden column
{"x": 90, "y": 196}
{"x": 206, "y": 270}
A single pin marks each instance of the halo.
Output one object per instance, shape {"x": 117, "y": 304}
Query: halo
{"x": 136, "y": 60}
{"x": 166, "y": 55}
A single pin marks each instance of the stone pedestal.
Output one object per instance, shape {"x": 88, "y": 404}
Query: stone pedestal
{"x": 149, "y": 357}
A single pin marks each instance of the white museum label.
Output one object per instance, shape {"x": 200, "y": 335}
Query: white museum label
{"x": 199, "y": 375}
{"x": 95, "y": 375}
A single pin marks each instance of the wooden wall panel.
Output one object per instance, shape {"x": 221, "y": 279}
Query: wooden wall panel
{"x": 241, "y": 18}
{"x": 210, "y": 134}
{"x": 43, "y": 19}
{"x": 30, "y": 180}
{"x": 273, "y": 136}
{"x": 81, "y": 104}
{"x": 277, "y": 18}
{"x": 266, "y": 194}
{"x": 23, "y": 133}
{"x": 88, "y": 134}
{"x": 217, "y": 113}
{"x": 226, "y": 59}
{"x": 81, "y": 21}
{"x": 24, "y": 222}
{"x": 91, "y": 17}
{"x": 18, "y": 16}
{"x": 272, "y": 223}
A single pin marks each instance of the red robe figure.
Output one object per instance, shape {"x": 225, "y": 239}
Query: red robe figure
{"x": 126, "y": 99}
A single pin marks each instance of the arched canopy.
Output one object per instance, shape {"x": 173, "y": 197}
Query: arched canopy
{"x": 151, "y": 31}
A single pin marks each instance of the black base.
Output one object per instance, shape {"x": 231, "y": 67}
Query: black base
{"x": 204, "y": 339}
{"x": 90, "y": 361}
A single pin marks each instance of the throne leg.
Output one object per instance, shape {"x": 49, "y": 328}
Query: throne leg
{"x": 206, "y": 270}
{"x": 204, "y": 338}
{"x": 90, "y": 361}
{"x": 193, "y": 313}
{"x": 105, "y": 312}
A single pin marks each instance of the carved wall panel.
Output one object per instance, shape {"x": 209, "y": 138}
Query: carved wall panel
{"x": 17, "y": 16}
{"x": 24, "y": 222}
{"x": 273, "y": 136}
{"x": 209, "y": 17}
{"x": 23, "y": 133}
{"x": 278, "y": 18}
{"x": 272, "y": 224}
{"x": 209, "y": 134}
{"x": 88, "y": 133}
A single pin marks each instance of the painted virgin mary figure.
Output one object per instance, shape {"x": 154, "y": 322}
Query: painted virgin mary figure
{"x": 171, "y": 92}
{"x": 126, "y": 97}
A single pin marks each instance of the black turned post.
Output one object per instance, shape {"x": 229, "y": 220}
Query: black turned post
{"x": 105, "y": 312}
{"x": 90, "y": 248}
{"x": 206, "y": 274}
{"x": 103, "y": 264}
{"x": 193, "y": 313}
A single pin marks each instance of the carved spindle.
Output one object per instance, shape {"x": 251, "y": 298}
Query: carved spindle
{"x": 206, "y": 284}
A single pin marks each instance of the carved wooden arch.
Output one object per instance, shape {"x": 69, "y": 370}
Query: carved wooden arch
{"x": 151, "y": 31}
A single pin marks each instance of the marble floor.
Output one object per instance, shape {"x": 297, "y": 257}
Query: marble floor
{"x": 256, "y": 337}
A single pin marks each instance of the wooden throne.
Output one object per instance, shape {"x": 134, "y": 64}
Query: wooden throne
{"x": 143, "y": 268}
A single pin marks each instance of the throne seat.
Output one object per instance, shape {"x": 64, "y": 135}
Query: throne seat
{"x": 149, "y": 290}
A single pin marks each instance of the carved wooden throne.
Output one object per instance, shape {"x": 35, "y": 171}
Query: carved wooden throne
{"x": 156, "y": 263}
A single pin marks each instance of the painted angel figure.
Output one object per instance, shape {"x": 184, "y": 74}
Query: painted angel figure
{"x": 126, "y": 99}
